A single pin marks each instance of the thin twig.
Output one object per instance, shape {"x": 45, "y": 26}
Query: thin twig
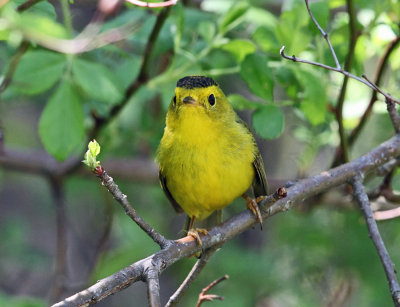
{"x": 203, "y": 296}
{"x": 153, "y": 288}
{"x": 152, "y": 4}
{"x": 325, "y": 35}
{"x": 346, "y": 73}
{"x": 122, "y": 199}
{"x": 342, "y": 152}
{"x": 142, "y": 77}
{"x": 387, "y": 214}
{"x": 61, "y": 256}
{"x": 362, "y": 199}
{"x": 26, "y": 5}
{"x": 187, "y": 283}
{"x": 382, "y": 64}
{"x": 23, "y": 47}
{"x": 394, "y": 115}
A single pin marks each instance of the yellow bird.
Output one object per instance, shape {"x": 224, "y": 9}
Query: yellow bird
{"x": 207, "y": 155}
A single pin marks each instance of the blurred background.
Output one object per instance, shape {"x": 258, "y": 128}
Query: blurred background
{"x": 60, "y": 230}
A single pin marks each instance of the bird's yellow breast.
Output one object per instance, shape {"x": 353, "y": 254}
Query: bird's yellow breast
{"x": 206, "y": 163}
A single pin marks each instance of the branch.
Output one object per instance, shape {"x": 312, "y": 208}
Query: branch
{"x": 109, "y": 183}
{"x": 378, "y": 77}
{"x": 362, "y": 199}
{"x": 23, "y": 47}
{"x": 153, "y": 288}
{"x": 343, "y": 72}
{"x": 387, "y": 214}
{"x": 152, "y": 4}
{"x": 203, "y": 296}
{"x": 186, "y": 284}
{"x": 61, "y": 220}
{"x": 187, "y": 246}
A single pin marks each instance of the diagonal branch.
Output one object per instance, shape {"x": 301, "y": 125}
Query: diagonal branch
{"x": 187, "y": 246}
{"x": 186, "y": 284}
{"x": 362, "y": 199}
{"x": 324, "y": 34}
{"x": 109, "y": 183}
{"x": 378, "y": 78}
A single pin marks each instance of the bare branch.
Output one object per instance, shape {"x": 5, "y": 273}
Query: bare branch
{"x": 109, "y": 183}
{"x": 378, "y": 77}
{"x": 203, "y": 296}
{"x": 61, "y": 258}
{"x": 23, "y": 47}
{"x": 387, "y": 214}
{"x": 187, "y": 283}
{"x": 362, "y": 199}
{"x": 187, "y": 246}
{"x": 153, "y": 288}
{"x": 394, "y": 115}
{"x": 325, "y": 35}
{"x": 26, "y": 5}
{"x": 152, "y": 4}
{"x": 346, "y": 73}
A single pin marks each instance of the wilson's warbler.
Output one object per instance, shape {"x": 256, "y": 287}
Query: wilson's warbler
{"x": 207, "y": 155}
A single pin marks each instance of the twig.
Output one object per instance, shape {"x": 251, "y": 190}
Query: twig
{"x": 378, "y": 77}
{"x": 387, "y": 214}
{"x": 187, "y": 246}
{"x": 26, "y": 5}
{"x": 394, "y": 115}
{"x": 325, "y": 35}
{"x": 342, "y": 152}
{"x": 186, "y": 284}
{"x": 109, "y": 183}
{"x": 61, "y": 258}
{"x": 23, "y": 47}
{"x": 362, "y": 199}
{"x": 152, "y": 4}
{"x": 203, "y": 296}
{"x": 141, "y": 78}
{"x": 153, "y": 288}
{"x": 343, "y": 72}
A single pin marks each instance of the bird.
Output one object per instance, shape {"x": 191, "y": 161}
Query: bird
{"x": 207, "y": 156}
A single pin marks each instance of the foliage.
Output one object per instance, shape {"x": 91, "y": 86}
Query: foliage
{"x": 238, "y": 44}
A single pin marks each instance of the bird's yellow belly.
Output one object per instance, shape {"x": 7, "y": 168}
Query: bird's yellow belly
{"x": 209, "y": 179}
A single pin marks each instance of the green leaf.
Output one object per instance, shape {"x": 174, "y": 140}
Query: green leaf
{"x": 266, "y": 39}
{"x": 314, "y": 103}
{"x": 37, "y": 26}
{"x": 254, "y": 70}
{"x": 38, "y": 71}
{"x": 61, "y": 126}
{"x": 91, "y": 155}
{"x": 207, "y": 30}
{"x": 292, "y": 30}
{"x": 97, "y": 81}
{"x": 268, "y": 121}
{"x": 239, "y": 48}
{"x": 238, "y": 102}
{"x": 232, "y": 16}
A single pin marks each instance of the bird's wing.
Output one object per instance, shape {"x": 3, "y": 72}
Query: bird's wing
{"x": 163, "y": 182}
{"x": 260, "y": 184}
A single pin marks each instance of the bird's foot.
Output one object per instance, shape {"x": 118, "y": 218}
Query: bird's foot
{"x": 195, "y": 233}
{"x": 252, "y": 205}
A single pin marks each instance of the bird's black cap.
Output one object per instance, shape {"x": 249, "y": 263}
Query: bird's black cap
{"x": 191, "y": 82}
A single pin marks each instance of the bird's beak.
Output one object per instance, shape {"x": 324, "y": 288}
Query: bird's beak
{"x": 189, "y": 100}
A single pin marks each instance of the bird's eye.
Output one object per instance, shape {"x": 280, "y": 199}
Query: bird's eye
{"x": 174, "y": 99}
{"x": 211, "y": 99}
